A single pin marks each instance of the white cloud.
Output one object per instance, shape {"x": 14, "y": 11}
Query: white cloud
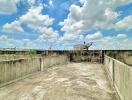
{"x": 3, "y": 38}
{"x": 100, "y": 42}
{"x": 90, "y": 37}
{"x": 38, "y": 22}
{"x": 110, "y": 14}
{"x": 13, "y": 27}
{"x": 118, "y": 42}
{"x": 8, "y": 6}
{"x": 95, "y": 36}
{"x": 47, "y": 34}
{"x": 121, "y": 36}
{"x": 82, "y": 1}
{"x": 26, "y": 43}
{"x": 81, "y": 37}
{"x": 31, "y": 2}
{"x": 90, "y": 16}
{"x": 8, "y": 42}
{"x": 115, "y": 3}
{"x": 51, "y": 2}
{"x": 126, "y": 23}
{"x": 75, "y": 12}
{"x": 93, "y": 14}
{"x": 68, "y": 37}
{"x": 34, "y": 18}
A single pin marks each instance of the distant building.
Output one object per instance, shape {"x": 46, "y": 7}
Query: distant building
{"x": 84, "y": 46}
{"x": 80, "y": 47}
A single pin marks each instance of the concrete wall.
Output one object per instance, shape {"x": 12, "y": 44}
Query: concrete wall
{"x": 49, "y": 61}
{"x": 15, "y": 69}
{"x": 11, "y": 70}
{"x": 121, "y": 76}
{"x": 14, "y": 56}
{"x": 124, "y": 56}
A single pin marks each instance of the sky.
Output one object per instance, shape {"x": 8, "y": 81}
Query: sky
{"x": 60, "y": 24}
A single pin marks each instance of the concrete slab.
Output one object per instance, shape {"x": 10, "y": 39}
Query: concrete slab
{"x": 73, "y": 81}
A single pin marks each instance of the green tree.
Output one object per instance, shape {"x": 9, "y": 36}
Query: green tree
{"x": 32, "y": 52}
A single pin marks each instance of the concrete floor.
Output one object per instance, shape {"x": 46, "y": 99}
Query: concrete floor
{"x": 74, "y": 81}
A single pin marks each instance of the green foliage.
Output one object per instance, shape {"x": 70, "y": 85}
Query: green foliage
{"x": 32, "y": 52}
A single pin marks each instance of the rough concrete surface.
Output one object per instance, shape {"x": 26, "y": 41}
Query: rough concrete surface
{"x": 73, "y": 81}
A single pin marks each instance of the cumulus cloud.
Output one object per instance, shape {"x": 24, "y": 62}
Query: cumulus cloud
{"x": 94, "y": 36}
{"x": 31, "y": 2}
{"x": 8, "y": 6}
{"x": 126, "y": 23}
{"x": 92, "y": 14}
{"x": 26, "y": 43}
{"x": 119, "y": 42}
{"x": 95, "y": 15}
{"x": 51, "y": 2}
{"x": 75, "y": 12}
{"x": 100, "y": 42}
{"x": 34, "y": 18}
{"x": 13, "y": 27}
{"x": 82, "y": 1}
{"x": 110, "y": 14}
{"x": 68, "y": 37}
{"x": 47, "y": 34}
{"x": 83, "y": 19}
{"x": 8, "y": 42}
{"x": 89, "y": 16}
{"x": 121, "y": 36}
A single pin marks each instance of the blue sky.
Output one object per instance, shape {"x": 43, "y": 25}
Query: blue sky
{"x": 60, "y": 24}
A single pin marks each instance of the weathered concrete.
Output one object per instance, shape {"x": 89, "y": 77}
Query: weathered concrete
{"x": 11, "y": 70}
{"x": 15, "y": 56}
{"x": 73, "y": 81}
{"x": 48, "y": 61}
{"x": 14, "y": 69}
{"x": 124, "y": 56}
{"x": 121, "y": 76}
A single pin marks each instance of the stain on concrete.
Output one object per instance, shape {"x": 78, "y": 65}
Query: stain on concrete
{"x": 73, "y": 81}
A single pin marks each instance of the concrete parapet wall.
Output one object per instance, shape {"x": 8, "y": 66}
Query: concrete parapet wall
{"x": 14, "y": 69}
{"x": 11, "y": 70}
{"x": 121, "y": 76}
{"x": 124, "y": 56}
{"x": 53, "y": 60}
{"x": 14, "y": 56}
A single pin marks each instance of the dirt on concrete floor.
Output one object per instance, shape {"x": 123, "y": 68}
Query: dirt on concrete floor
{"x": 73, "y": 81}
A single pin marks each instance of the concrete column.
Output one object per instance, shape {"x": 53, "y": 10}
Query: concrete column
{"x": 41, "y": 64}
